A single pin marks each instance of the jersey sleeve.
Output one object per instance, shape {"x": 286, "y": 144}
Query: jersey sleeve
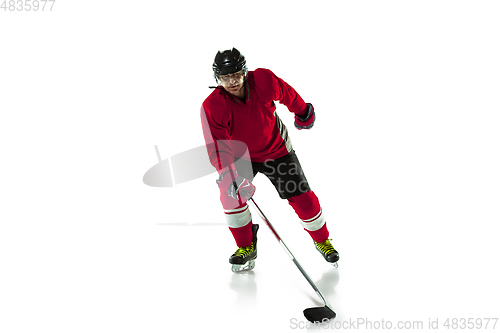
{"x": 273, "y": 88}
{"x": 216, "y": 131}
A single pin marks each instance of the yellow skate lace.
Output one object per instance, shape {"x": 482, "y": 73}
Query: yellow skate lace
{"x": 326, "y": 247}
{"x": 243, "y": 251}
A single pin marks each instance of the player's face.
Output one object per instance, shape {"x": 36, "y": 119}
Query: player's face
{"x": 233, "y": 83}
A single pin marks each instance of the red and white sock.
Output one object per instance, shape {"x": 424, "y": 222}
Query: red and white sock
{"x": 239, "y": 221}
{"x": 307, "y": 207}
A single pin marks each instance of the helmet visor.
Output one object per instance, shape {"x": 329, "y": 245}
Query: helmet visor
{"x": 232, "y": 79}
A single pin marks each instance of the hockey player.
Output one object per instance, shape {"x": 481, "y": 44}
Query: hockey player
{"x": 242, "y": 109}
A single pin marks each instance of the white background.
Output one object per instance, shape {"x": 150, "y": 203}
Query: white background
{"x": 404, "y": 157}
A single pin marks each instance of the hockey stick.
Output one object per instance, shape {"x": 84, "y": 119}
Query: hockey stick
{"x": 317, "y": 314}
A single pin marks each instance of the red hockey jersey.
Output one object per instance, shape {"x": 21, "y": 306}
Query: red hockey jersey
{"x": 226, "y": 119}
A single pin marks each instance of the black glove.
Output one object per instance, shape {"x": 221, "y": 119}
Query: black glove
{"x": 307, "y": 121}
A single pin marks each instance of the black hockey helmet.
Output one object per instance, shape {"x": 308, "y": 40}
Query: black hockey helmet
{"x": 228, "y": 62}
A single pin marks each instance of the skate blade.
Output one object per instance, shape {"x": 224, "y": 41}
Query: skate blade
{"x": 335, "y": 264}
{"x": 249, "y": 265}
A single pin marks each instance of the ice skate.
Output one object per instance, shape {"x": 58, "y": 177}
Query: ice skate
{"x": 244, "y": 257}
{"x": 328, "y": 252}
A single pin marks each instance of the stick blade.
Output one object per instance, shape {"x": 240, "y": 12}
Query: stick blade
{"x": 319, "y": 314}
